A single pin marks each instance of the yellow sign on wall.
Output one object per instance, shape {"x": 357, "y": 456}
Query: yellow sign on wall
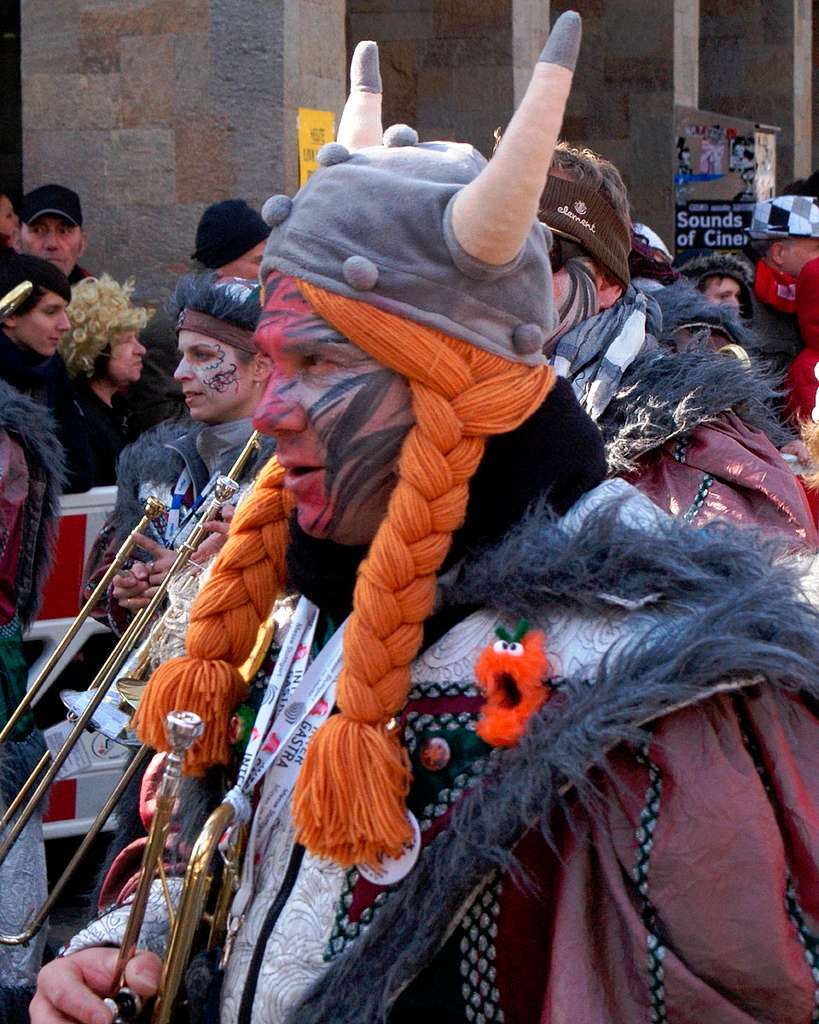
{"x": 316, "y": 127}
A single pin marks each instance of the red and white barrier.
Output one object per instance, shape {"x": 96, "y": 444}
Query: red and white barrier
{"x": 95, "y": 765}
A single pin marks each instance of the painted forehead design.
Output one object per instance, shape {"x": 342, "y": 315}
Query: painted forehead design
{"x": 286, "y": 308}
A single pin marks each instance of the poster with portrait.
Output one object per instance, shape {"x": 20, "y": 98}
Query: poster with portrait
{"x": 723, "y": 166}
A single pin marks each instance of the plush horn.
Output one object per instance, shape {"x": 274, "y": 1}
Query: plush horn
{"x": 492, "y": 215}
{"x": 360, "y": 124}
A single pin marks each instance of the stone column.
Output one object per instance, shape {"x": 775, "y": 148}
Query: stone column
{"x": 637, "y": 60}
{"x": 152, "y": 111}
{"x": 757, "y": 65}
{"x": 815, "y": 87}
{"x": 451, "y": 68}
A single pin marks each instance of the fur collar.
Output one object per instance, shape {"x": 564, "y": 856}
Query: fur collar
{"x": 731, "y": 618}
{"x": 33, "y": 426}
{"x": 156, "y": 459}
{"x": 663, "y": 397}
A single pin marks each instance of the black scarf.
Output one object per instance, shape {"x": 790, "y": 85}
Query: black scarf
{"x": 45, "y": 380}
{"x": 32, "y": 374}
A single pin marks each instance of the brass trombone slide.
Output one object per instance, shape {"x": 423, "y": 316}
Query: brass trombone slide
{"x": 153, "y": 509}
{"x": 40, "y": 918}
{"x": 224, "y": 490}
{"x": 190, "y": 912}
{"x": 183, "y": 729}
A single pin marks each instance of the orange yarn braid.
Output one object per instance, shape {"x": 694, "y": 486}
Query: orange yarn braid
{"x": 348, "y": 804}
{"x": 349, "y": 798}
{"x": 247, "y": 577}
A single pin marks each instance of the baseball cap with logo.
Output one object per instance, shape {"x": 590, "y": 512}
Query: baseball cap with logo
{"x": 786, "y": 217}
{"x": 51, "y": 199}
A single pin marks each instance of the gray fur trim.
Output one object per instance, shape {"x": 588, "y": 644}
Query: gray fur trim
{"x": 146, "y": 459}
{"x": 682, "y": 303}
{"x": 237, "y": 305}
{"x": 663, "y": 397}
{"x": 153, "y": 457}
{"x": 747, "y": 626}
{"x": 33, "y": 426}
{"x": 719, "y": 264}
{"x": 542, "y": 566}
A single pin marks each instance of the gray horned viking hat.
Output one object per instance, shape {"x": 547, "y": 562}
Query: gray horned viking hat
{"x": 430, "y": 231}
{"x": 433, "y": 262}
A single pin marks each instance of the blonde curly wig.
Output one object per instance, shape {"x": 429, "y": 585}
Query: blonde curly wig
{"x": 99, "y": 312}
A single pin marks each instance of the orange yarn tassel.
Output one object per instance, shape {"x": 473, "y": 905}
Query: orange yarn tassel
{"x": 210, "y": 689}
{"x": 349, "y": 800}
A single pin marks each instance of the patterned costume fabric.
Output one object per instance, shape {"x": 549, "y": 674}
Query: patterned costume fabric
{"x": 519, "y": 864}
{"x": 31, "y": 476}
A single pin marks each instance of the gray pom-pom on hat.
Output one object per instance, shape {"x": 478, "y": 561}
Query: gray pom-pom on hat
{"x": 400, "y": 135}
{"x": 332, "y": 153}
{"x": 528, "y": 339}
{"x": 373, "y": 228}
{"x": 276, "y": 209}
{"x": 360, "y": 273}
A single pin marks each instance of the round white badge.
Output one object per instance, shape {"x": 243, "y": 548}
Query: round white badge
{"x": 392, "y": 869}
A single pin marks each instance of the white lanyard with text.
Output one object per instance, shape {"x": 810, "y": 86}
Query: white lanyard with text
{"x": 173, "y": 524}
{"x": 298, "y": 700}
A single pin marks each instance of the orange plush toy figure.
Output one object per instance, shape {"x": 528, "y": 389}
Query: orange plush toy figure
{"x": 512, "y": 674}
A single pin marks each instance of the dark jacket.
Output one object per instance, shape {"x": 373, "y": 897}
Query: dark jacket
{"x": 107, "y": 432}
{"x": 778, "y": 341}
{"x": 46, "y": 381}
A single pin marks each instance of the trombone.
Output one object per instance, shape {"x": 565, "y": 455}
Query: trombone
{"x": 153, "y": 509}
{"x": 225, "y": 488}
{"x": 190, "y": 914}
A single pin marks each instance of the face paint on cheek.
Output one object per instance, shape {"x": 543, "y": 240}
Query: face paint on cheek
{"x": 575, "y": 295}
{"x": 363, "y": 422}
{"x": 223, "y": 381}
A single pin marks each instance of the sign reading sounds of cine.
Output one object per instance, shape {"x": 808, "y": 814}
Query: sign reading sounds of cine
{"x": 315, "y": 127}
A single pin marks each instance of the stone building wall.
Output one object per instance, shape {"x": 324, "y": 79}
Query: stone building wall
{"x": 152, "y": 109}
{"x": 758, "y": 65}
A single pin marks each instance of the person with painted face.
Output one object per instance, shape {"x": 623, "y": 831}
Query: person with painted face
{"x": 30, "y": 360}
{"x": 222, "y": 374}
{"x": 551, "y": 700}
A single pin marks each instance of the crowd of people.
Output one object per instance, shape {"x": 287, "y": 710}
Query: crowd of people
{"x": 528, "y": 538}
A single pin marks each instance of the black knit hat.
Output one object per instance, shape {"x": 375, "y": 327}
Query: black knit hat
{"x": 227, "y": 231}
{"x": 15, "y": 268}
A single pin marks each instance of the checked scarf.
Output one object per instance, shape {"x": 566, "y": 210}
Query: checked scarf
{"x": 594, "y": 355}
